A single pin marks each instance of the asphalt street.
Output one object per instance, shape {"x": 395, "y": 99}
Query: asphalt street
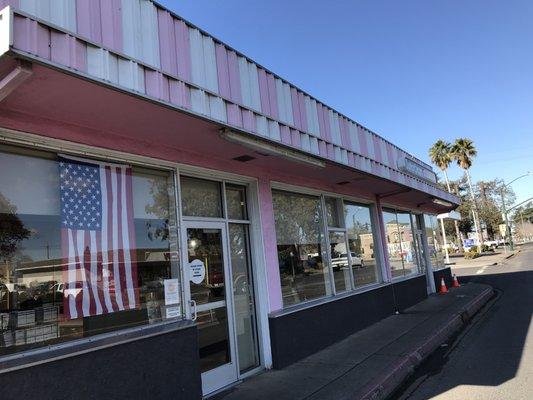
{"x": 493, "y": 357}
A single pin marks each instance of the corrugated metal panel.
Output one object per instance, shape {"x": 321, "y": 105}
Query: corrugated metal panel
{"x": 234, "y": 77}
{"x": 217, "y": 108}
{"x": 313, "y": 141}
{"x": 272, "y": 96}
{"x": 248, "y": 120}
{"x": 312, "y": 116}
{"x": 100, "y": 21}
{"x": 197, "y": 58}
{"x": 334, "y": 127}
{"x": 183, "y": 50}
{"x": 222, "y": 71}
{"x": 157, "y": 85}
{"x": 262, "y": 125}
{"x": 234, "y": 114}
{"x": 249, "y": 84}
{"x": 285, "y": 134}
{"x": 354, "y": 137}
{"x": 254, "y": 86}
{"x": 344, "y": 156}
{"x": 211, "y": 78}
{"x": 199, "y": 101}
{"x": 88, "y": 20}
{"x": 102, "y": 64}
{"x": 140, "y": 31}
{"x": 31, "y": 36}
{"x": 288, "y": 103}
{"x": 130, "y": 75}
{"x": 305, "y": 143}
{"x": 167, "y": 42}
{"x": 273, "y": 130}
{"x": 156, "y": 37}
{"x": 263, "y": 91}
{"x": 67, "y": 50}
{"x": 59, "y": 12}
{"x": 303, "y": 114}
{"x": 337, "y": 153}
{"x": 295, "y": 109}
{"x": 370, "y": 144}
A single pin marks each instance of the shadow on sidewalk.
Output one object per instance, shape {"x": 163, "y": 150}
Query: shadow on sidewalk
{"x": 493, "y": 347}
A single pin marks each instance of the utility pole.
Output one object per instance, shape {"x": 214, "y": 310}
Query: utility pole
{"x": 506, "y": 221}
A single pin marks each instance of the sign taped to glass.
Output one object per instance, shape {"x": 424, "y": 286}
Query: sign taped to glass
{"x": 197, "y": 271}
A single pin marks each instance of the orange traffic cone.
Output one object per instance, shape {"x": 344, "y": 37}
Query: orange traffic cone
{"x": 455, "y": 281}
{"x": 443, "y": 288}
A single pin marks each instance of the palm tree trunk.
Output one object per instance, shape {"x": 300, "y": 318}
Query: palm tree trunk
{"x": 447, "y": 180}
{"x": 457, "y": 233}
{"x": 474, "y": 210}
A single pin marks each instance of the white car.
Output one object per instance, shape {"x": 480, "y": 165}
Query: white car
{"x": 342, "y": 261}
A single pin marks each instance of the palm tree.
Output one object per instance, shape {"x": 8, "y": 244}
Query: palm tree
{"x": 463, "y": 152}
{"x": 441, "y": 155}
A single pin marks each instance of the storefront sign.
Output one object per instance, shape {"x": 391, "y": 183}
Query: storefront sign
{"x": 172, "y": 291}
{"x": 197, "y": 271}
{"x": 412, "y": 168}
{"x": 172, "y": 312}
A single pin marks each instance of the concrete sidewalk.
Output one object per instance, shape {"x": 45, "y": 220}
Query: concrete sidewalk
{"x": 372, "y": 363}
{"x": 487, "y": 259}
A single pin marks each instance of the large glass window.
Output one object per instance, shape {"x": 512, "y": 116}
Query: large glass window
{"x": 361, "y": 242}
{"x": 434, "y": 241}
{"x": 200, "y": 197}
{"x": 404, "y": 258}
{"x": 304, "y": 228}
{"x": 86, "y": 247}
{"x": 300, "y": 238}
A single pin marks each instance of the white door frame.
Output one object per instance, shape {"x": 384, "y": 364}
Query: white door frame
{"x": 226, "y": 374}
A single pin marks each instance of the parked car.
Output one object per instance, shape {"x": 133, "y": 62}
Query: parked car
{"x": 342, "y": 261}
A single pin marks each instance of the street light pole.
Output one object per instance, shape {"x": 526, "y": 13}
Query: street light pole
{"x": 506, "y": 219}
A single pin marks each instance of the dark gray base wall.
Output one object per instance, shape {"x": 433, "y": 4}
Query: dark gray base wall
{"x": 165, "y": 366}
{"x": 445, "y": 273}
{"x": 298, "y": 334}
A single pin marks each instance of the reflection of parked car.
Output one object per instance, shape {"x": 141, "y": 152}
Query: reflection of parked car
{"x": 342, "y": 261}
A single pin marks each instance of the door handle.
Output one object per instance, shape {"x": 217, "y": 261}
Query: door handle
{"x": 192, "y": 303}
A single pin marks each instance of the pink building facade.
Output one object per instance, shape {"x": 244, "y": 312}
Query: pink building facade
{"x": 248, "y": 199}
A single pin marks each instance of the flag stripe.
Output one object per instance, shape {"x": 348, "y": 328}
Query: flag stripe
{"x": 131, "y": 230}
{"x": 94, "y": 274}
{"x": 98, "y": 245}
{"x": 125, "y": 240}
{"x": 120, "y": 246}
{"x": 110, "y": 243}
{"x": 104, "y": 244}
{"x": 70, "y": 286}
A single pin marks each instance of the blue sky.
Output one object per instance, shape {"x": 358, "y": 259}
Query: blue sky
{"x": 413, "y": 71}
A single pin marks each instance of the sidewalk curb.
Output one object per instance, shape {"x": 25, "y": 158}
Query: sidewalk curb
{"x": 389, "y": 380}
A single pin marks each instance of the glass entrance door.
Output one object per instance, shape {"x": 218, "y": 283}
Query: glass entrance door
{"x": 209, "y": 293}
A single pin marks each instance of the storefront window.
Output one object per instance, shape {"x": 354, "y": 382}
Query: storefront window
{"x": 435, "y": 242}
{"x": 339, "y": 261}
{"x": 300, "y": 239}
{"x": 407, "y": 243}
{"x": 200, "y": 197}
{"x": 361, "y": 244}
{"x": 332, "y": 211}
{"x": 87, "y": 247}
{"x": 404, "y": 258}
{"x": 236, "y": 202}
